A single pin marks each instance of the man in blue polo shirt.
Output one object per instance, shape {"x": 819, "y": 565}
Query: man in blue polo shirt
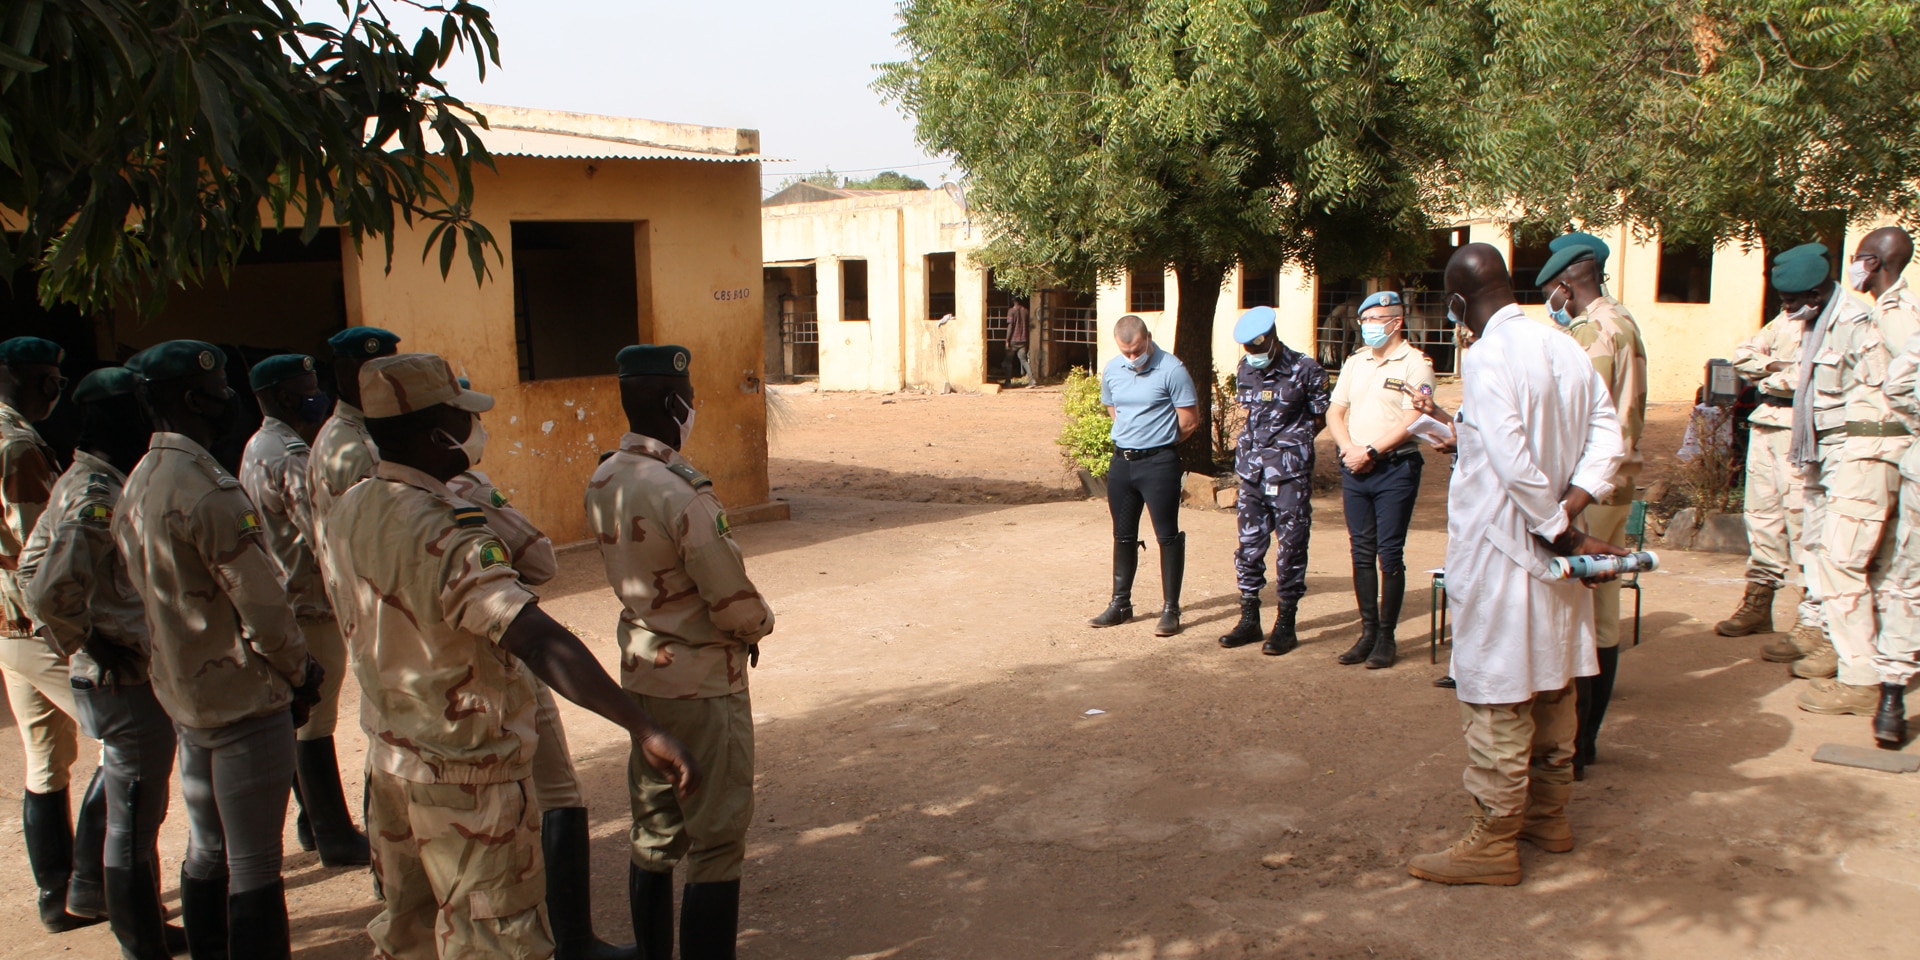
{"x": 1151, "y": 399}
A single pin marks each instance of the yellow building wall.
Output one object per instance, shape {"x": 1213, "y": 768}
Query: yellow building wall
{"x": 546, "y": 436}
{"x": 1294, "y": 313}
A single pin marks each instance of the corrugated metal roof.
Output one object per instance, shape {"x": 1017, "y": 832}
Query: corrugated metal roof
{"x": 512, "y": 142}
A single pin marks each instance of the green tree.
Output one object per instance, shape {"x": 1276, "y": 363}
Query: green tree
{"x": 890, "y": 180}
{"x": 145, "y": 145}
{"x": 825, "y": 178}
{"x": 1194, "y": 134}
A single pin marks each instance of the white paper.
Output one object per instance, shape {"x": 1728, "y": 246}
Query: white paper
{"x": 1094, "y": 713}
{"x": 1431, "y": 431}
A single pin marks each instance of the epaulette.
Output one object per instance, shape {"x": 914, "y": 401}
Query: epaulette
{"x": 469, "y": 517}
{"x": 694, "y": 478}
{"x": 97, "y": 485}
{"x": 297, "y": 445}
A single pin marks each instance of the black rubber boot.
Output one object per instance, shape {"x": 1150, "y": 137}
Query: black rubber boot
{"x": 86, "y": 897}
{"x": 1393, "y": 588}
{"x": 1366, "y": 593}
{"x": 1173, "y": 570}
{"x": 339, "y": 842}
{"x": 1248, "y": 629}
{"x": 650, "y": 898}
{"x": 44, "y": 818}
{"x": 1890, "y": 721}
{"x": 257, "y": 921}
{"x": 1594, "y": 694}
{"x": 563, "y": 840}
{"x": 135, "y": 914}
{"x": 203, "y": 911}
{"x": 709, "y": 920}
{"x": 302, "y": 826}
{"x": 1126, "y": 562}
{"x": 1283, "y": 639}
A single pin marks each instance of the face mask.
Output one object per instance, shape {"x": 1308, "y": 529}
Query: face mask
{"x": 314, "y": 409}
{"x": 1857, "y": 274}
{"x": 1559, "y": 313}
{"x": 1807, "y": 312}
{"x": 1260, "y": 361}
{"x": 1374, "y": 334}
{"x": 472, "y": 447}
{"x": 1454, "y": 313}
{"x": 685, "y": 425}
{"x": 1139, "y": 363}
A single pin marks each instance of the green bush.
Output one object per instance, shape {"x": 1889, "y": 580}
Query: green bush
{"x": 1087, "y": 439}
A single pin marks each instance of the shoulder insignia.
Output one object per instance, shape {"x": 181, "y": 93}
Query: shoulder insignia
{"x": 95, "y": 514}
{"x": 297, "y": 445}
{"x": 690, "y": 475}
{"x": 498, "y": 499}
{"x": 493, "y": 554}
{"x": 1394, "y": 385}
{"x": 249, "y": 523}
{"x": 469, "y": 517}
{"x": 720, "y": 525}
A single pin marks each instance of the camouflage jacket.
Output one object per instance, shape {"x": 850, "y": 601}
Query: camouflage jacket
{"x": 1852, "y": 365}
{"x": 1286, "y": 404}
{"x": 1613, "y": 342}
{"x": 75, "y": 581}
{"x": 27, "y": 469}
{"x": 531, "y": 550}
{"x": 276, "y": 477}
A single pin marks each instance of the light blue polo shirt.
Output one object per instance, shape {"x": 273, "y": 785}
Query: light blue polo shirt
{"x": 1143, "y": 402}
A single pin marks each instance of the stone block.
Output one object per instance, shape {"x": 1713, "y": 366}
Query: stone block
{"x": 1682, "y": 529}
{"x": 1723, "y": 533}
{"x": 989, "y": 389}
{"x": 1226, "y": 498}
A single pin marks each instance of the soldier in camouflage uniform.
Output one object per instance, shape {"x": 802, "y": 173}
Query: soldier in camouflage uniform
{"x": 446, "y": 640}
{"x": 75, "y": 583}
{"x": 37, "y": 680}
{"x": 274, "y": 471}
{"x": 1285, "y": 396}
{"x": 229, "y": 663}
{"x": 690, "y": 629}
{"x": 1898, "y": 658}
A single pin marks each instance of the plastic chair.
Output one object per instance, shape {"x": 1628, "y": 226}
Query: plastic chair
{"x": 1636, "y": 538}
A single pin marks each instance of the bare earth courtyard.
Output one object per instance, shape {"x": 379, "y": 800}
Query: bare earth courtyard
{"x": 932, "y": 783}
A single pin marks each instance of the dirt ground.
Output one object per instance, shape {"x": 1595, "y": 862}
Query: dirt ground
{"x": 934, "y": 783}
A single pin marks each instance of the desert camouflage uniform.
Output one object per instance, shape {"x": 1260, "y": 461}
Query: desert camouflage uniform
{"x": 1775, "y": 496}
{"x": 1274, "y": 460}
{"x": 1612, "y": 340}
{"x": 343, "y": 454}
{"x": 1829, "y": 409}
{"x": 1898, "y": 657}
{"x": 274, "y": 471}
{"x": 37, "y": 683}
{"x": 429, "y": 592}
{"x": 75, "y": 583}
{"x": 691, "y": 613}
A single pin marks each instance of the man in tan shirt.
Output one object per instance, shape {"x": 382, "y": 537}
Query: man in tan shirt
{"x": 446, "y": 640}
{"x": 690, "y": 629}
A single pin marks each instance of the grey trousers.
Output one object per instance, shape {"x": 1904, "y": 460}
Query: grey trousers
{"x": 236, "y": 780}
{"x": 136, "y": 757}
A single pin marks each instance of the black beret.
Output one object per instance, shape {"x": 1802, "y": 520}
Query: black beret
{"x": 277, "y": 370}
{"x": 31, "y": 350}
{"x": 364, "y": 342}
{"x": 176, "y": 359}
{"x": 104, "y": 384}
{"x": 648, "y": 360}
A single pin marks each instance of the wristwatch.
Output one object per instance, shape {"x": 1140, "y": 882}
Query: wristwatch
{"x": 1372, "y": 454}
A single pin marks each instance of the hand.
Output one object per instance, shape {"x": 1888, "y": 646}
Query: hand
{"x": 306, "y": 696}
{"x": 1579, "y": 542}
{"x": 112, "y": 658}
{"x": 672, "y": 760}
{"x": 1423, "y": 403}
{"x": 1356, "y": 459}
{"x": 1446, "y": 448}
{"x": 753, "y": 655}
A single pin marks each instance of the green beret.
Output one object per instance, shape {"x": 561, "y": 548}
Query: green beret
{"x": 31, "y": 350}
{"x": 177, "y": 359}
{"x": 277, "y": 370}
{"x": 647, "y": 360}
{"x": 105, "y": 384}
{"x": 362, "y": 343}
{"x": 1569, "y": 255}
{"x": 1799, "y": 274}
{"x": 1600, "y": 249}
{"x": 1816, "y": 249}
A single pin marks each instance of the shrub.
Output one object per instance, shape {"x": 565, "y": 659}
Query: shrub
{"x": 1087, "y": 439}
{"x": 1229, "y": 418}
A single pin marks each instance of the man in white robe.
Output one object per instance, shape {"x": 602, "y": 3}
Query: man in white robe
{"x": 1538, "y": 440}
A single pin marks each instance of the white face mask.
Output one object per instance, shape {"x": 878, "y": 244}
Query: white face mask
{"x": 1807, "y": 312}
{"x": 1857, "y": 274}
{"x": 1139, "y": 363}
{"x": 685, "y": 425}
{"x": 473, "y": 446}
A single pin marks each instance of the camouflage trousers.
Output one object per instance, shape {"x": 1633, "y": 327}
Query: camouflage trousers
{"x": 708, "y": 829}
{"x": 1853, "y": 564}
{"x": 1898, "y": 658}
{"x": 461, "y": 868}
{"x": 1274, "y": 510}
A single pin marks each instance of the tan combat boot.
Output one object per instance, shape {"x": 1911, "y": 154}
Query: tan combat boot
{"x": 1822, "y": 662}
{"x": 1545, "y": 823}
{"x": 1795, "y": 646}
{"x": 1835, "y": 698}
{"x": 1754, "y": 616}
{"x": 1487, "y": 854}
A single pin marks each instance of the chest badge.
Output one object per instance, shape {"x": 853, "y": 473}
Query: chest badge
{"x": 1266, "y": 396}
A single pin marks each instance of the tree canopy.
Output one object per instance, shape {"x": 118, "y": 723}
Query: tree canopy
{"x": 889, "y": 180}
{"x": 146, "y": 145}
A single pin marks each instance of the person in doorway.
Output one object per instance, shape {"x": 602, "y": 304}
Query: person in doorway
{"x": 1018, "y": 345}
{"x": 1285, "y": 396}
{"x": 1380, "y": 467}
{"x": 1538, "y": 439}
{"x": 1151, "y": 399}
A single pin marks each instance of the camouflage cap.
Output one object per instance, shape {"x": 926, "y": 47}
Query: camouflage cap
{"x": 31, "y": 350}
{"x": 364, "y": 342}
{"x": 277, "y": 370}
{"x": 648, "y": 360}
{"x": 177, "y": 359}
{"x": 406, "y": 382}
{"x": 105, "y": 384}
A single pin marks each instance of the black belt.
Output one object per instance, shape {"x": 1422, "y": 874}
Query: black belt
{"x": 1773, "y": 401}
{"x": 1140, "y": 454}
{"x": 1399, "y": 455}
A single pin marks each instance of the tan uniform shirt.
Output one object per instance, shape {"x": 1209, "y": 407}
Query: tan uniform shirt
{"x": 1369, "y": 387}
{"x": 1777, "y": 342}
{"x": 274, "y": 472}
{"x": 1612, "y": 341}
{"x": 225, "y": 643}
{"x": 427, "y": 590}
{"x": 27, "y": 470}
{"x": 343, "y": 455}
{"x": 74, "y": 580}
{"x": 1902, "y": 386}
{"x": 1829, "y": 401}
{"x": 1852, "y": 366}
{"x": 531, "y": 550}
{"x": 691, "y": 612}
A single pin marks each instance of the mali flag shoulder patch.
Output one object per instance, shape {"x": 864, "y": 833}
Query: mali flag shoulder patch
{"x": 249, "y": 523}
{"x": 499, "y": 498}
{"x": 96, "y": 515}
{"x": 720, "y": 524}
{"x": 493, "y": 554}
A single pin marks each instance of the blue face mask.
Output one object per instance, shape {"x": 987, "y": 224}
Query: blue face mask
{"x": 1559, "y": 313}
{"x": 1374, "y": 334}
{"x": 314, "y": 409}
{"x": 1260, "y": 361}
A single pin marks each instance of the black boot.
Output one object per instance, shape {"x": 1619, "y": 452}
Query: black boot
{"x": 1393, "y": 587}
{"x": 257, "y": 921}
{"x": 563, "y": 840}
{"x": 334, "y": 835}
{"x": 1594, "y": 694}
{"x": 650, "y": 898}
{"x": 1173, "y": 569}
{"x": 203, "y": 910}
{"x": 1126, "y": 562}
{"x": 709, "y": 920}
{"x": 1283, "y": 640}
{"x": 85, "y": 895}
{"x": 1248, "y": 629}
{"x": 49, "y": 834}
{"x": 133, "y": 910}
{"x": 1890, "y": 721}
{"x": 1366, "y": 593}
{"x": 302, "y": 825}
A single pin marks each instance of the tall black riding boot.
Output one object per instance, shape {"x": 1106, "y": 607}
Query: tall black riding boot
{"x": 1890, "y": 721}
{"x": 203, "y": 910}
{"x": 1248, "y": 629}
{"x": 709, "y": 920}
{"x": 134, "y": 911}
{"x": 302, "y": 824}
{"x": 650, "y": 898}
{"x": 340, "y": 843}
{"x": 85, "y": 895}
{"x": 1366, "y": 593}
{"x": 1283, "y": 639}
{"x": 563, "y": 840}
{"x": 1126, "y": 562}
{"x": 1173, "y": 570}
{"x": 44, "y": 818}
{"x": 1594, "y": 694}
{"x": 257, "y": 921}
{"x": 1393, "y": 589}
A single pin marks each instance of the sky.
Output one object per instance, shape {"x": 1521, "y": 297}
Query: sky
{"x": 798, "y": 72}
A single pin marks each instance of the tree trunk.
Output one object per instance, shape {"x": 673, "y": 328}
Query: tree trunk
{"x": 1193, "y": 344}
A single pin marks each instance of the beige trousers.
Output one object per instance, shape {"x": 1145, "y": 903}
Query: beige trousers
{"x": 1855, "y": 558}
{"x": 1608, "y": 522}
{"x": 1897, "y": 658}
{"x": 1509, "y": 744}
{"x": 1775, "y": 504}
{"x": 41, "y": 695}
{"x": 326, "y": 646}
